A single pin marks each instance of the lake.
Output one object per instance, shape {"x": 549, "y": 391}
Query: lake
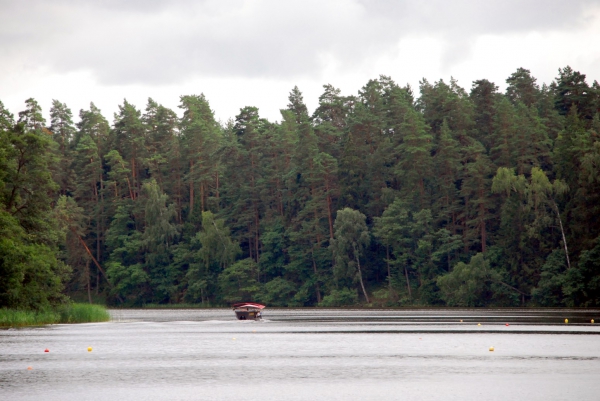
{"x": 308, "y": 354}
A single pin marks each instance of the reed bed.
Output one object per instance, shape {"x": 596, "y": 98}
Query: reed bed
{"x": 71, "y": 313}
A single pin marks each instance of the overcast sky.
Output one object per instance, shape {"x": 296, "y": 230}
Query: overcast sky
{"x": 252, "y": 53}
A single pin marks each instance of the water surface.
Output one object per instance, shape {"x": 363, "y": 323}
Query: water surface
{"x": 307, "y": 354}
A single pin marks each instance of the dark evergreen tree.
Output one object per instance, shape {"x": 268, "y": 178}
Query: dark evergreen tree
{"x": 522, "y": 87}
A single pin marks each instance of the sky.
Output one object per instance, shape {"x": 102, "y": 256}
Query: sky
{"x": 253, "y": 52}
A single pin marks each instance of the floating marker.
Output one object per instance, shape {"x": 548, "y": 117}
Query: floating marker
{"x": 89, "y": 349}
{"x": 233, "y": 338}
{"x": 566, "y": 321}
{"x": 461, "y": 320}
{"x": 507, "y": 324}
{"x": 29, "y": 368}
{"x": 491, "y": 348}
{"x": 46, "y": 350}
{"x": 478, "y": 324}
{"x": 592, "y": 321}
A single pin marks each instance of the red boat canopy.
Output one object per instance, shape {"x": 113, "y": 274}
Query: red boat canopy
{"x": 248, "y": 305}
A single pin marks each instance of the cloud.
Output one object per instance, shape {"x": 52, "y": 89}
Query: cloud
{"x": 478, "y": 17}
{"x": 168, "y": 42}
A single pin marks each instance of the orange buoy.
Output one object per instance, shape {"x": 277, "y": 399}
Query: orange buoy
{"x": 507, "y": 324}
{"x": 29, "y": 368}
{"x": 46, "y": 350}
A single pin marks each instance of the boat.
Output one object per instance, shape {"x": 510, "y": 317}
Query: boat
{"x": 248, "y": 310}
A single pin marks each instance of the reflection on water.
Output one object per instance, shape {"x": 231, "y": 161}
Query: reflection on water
{"x": 306, "y": 355}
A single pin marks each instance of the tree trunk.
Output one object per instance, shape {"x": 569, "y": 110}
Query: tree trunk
{"x": 250, "y": 242}
{"x": 483, "y": 232}
{"x": 407, "y": 283}
{"x": 279, "y": 197}
{"x": 562, "y": 231}
{"x": 98, "y": 229}
{"x": 89, "y": 290}
{"x": 134, "y": 177}
{"x": 389, "y": 271}
{"x": 257, "y": 233}
{"x": 329, "y": 215}
{"x": 95, "y": 262}
{"x": 129, "y": 186}
{"x": 179, "y": 194}
{"x": 466, "y": 226}
{"x": 360, "y": 274}
{"x": 191, "y": 189}
{"x": 217, "y": 187}
{"x": 202, "y": 197}
{"x": 318, "y": 290}
{"x": 101, "y": 232}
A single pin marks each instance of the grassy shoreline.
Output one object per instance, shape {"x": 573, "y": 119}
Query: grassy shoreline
{"x": 71, "y": 313}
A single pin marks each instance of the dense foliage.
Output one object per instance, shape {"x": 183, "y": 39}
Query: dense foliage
{"x": 453, "y": 198}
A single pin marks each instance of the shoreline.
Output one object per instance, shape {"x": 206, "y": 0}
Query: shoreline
{"x": 70, "y": 313}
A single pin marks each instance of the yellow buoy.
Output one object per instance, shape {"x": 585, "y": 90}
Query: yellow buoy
{"x": 461, "y": 320}
{"x": 478, "y": 324}
{"x": 89, "y": 349}
{"x": 491, "y": 348}
{"x": 233, "y": 338}
{"x": 566, "y": 320}
{"x": 592, "y": 321}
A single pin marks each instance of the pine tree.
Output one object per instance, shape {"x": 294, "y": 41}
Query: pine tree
{"x": 94, "y": 128}
{"x": 484, "y": 95}
{"x": 92, "y": 123}
{"x": 245, "y": 182}
{"x": 502, "y": 151}
{"x": 447, "y": 170}
{"x": 572, "y": 91}
{"x": 200, "y": 140}
{"x": 63, "y": 132}
{"x": 157, "y": 242}
{"x": 415, "y": 165}
{"x": 128, "y": 137}
{"x": 393, "y": 231}
{"x": 522, "y": 87}
{"x": 330, "y": 120}
{"x": 477, "y": 200}
{"x": 160, "y": 130}
{"x": 441, "y": 101}
{"x": 7, "y": 120}
{"x": 87, "y": 165}
{"x": 32, "y": 118}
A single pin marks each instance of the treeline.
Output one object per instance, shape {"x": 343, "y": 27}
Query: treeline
{"x": 457, "y": 198}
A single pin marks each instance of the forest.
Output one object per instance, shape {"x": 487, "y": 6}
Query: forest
{"x": 386, "y": 198}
